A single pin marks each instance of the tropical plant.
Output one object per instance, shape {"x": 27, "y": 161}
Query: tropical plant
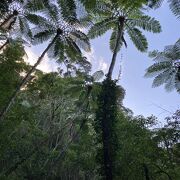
{"x": 18, "y": 17}
{"x": 121, "y": 18}
{"x": 166, "y": 68}
{"x": 12, "y": 65}
{"x": 11, "y": 38}
{"x": 66, "y": 40}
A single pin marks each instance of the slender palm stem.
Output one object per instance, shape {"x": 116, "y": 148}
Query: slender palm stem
{"x": 25, "y": 80}
{"x": 119, "y": 38}
{"x": 7, "y": 42}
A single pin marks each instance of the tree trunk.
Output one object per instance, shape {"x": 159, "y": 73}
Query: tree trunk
{"x": 25, "y": 80}
{"x": 106, "y": 150}
{"x": 7, "y": 23}
{"x": 146, "y": 172}
{"x": 119, "y": 38}
{"x": 7, "y": 42}
{"x": 105, "y": 127}
{"x": 107, "y": 117}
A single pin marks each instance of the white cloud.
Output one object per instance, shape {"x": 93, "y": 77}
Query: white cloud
{"x": 103, "y": 65}
{"x": 98, "y": 63}
{"x": 46, "y": 65}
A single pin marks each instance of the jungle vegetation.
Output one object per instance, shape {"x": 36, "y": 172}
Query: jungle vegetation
{"x": 71, "y": 124}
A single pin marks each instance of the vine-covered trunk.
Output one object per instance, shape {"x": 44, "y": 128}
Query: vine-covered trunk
{"x": 105, "y": 127}
{"x": 146, "y": 172}
{"x": 25, "y": 80}
{"x": 106, "y": 114}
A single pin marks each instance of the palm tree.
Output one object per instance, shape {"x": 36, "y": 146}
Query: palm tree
{"x": 166, "y": 68}
{"x": 173, "y": 4}
{"x": 120, "y": 17}
{"x": 123, "y": 19}
{"x": 65, "y": 40}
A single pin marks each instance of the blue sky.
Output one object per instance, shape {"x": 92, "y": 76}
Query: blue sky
{"x": 140, "y": 96}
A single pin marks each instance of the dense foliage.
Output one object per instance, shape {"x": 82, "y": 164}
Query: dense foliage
{"x": 68, "y": 124}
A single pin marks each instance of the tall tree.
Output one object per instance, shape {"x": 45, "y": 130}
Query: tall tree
{"x": 18, "y": 17}
{"x": 61, "y": 28}
{"x": 121, "y": 17}
{"x": 11, "y": 67}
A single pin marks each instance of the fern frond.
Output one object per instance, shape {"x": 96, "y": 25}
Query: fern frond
{"x": 51, "y": 12}
{"x": 161, "y": 78}
{"x": 113, "y": 39}
{"x": 72, "y": 50}
{"x": 42, "y": 36}
{"x": 138, "y": 39}
{"x": 100, "y": 28}
{"x": 158, "y": 67}
{"x": 38, "y": 20}
{"x": 169, "y": 85}
{"x": 34, "y": 5}
{"x": 175, "y": 7}
{"x": 81, "y": 40}
{"x": 147, "y": 23}
{"x": 155, "y": 3}
{"x": 24, "y": 28}
{"x": 68, "y": 10}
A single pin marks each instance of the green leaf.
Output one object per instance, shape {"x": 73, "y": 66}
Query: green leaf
{"x": 42, "y": 36}
{"x": 113, "y": 40}
{"x": 81, "y": 40}
{"x": 175, "y": 7}
{"x": 100, "y": 28}
{"x": 147, "y": 23}
{"x": 159, "y": 67}
{"x": 68, "y": 10}
{"x": 138, "y": 39}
